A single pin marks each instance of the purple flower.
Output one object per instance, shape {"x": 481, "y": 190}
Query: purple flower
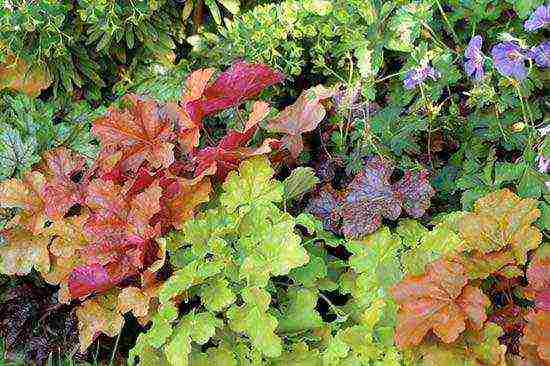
{"x": 509, "y": 59}
{"x": 474, "y": 64}
{"x": 417, "y": 76}
{"x": 539, "y": 19}
{"x": 541, "y": 54}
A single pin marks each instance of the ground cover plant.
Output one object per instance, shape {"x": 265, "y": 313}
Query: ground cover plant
{"x": 296, "y": 182}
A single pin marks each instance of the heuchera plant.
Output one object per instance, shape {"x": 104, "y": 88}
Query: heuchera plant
{"x": 359, "y": 208}
{"x": 89, "y": 229}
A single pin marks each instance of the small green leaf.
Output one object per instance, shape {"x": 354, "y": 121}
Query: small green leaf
{"x": 300, "y": 181}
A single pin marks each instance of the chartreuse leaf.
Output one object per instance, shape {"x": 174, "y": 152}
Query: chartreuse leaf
{"x": 221, "y": 355}
{"x": 226, "y": 254}
{"x": 434, "y": 244}
{"x": 253, "y": 319}
{"x": 300, "y": 313}
{"x": 300, "y": 355}
{"x": 374, "y": 267}
{"x": 251, "y": 185}
{"x": 300, "y": 181}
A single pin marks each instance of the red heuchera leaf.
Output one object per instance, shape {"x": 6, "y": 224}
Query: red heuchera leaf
{"x": 61, "y": 192}
{"x": 441, "y": 301}
{"x": 87, "y": 279}
{"x": 371, "y": 196}
{"x": 135, "y": 190}
{"x": 302, "y": 116}
{"x": 143, "y": 132}
{"x": 538, "y": 275}
{"x": 231, "y": 149}
{"x": 240, "y": 82}
{"x": 535, "y": 344}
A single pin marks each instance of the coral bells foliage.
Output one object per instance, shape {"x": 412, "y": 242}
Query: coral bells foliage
{"x": 358, "y": 210}
{"x": 88, "y": 229}
{"x": 446, "y": 300}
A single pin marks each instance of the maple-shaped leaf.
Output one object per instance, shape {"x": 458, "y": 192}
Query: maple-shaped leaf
{"x": 415, "y": 192}
{"x": 231, "y": 150}
{"x": 21, "y": 251}
{"x": 61, "y": 192}
{"x": 188, "y": 121}
{"x": 472, "y": 348}
{"x": 326, "y": 205}
{"x": 301, "y": 117}
{"x": 26, "y": 194}
{"x": 300, "y": 313}
{"x": 439, "y": 300}
{"x": 98, "y": 315}
{"x": 142, "y": 131}
{"x": 133, "y": 299}
{"x": 252, "y": 184}
{"x": 370, "y": 197}
{"x": 17, "y": 154}
{"x": 254, "y": 320}
{"x": 16, "y": 74}
{"x": 500, "y": 228}
{"x": 535, "y": 344}
{"x": 180, "y": 199}
{"x": 68, "y": 235}
{"x": 538, "y": 275}
{"x": 240, "y": 82}
{"x": 119, "y": 232}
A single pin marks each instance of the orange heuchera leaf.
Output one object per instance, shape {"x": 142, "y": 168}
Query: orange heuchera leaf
{"x": 302, "y": 116}
{"x": 135, "y": 300}
{"x": 440, "y": 300}
{"x": 474, "y": 348}
{"x": 23, "y": 251}
{"x": 538, "y": 275}
{"x": 536, "y": 340}
{"x": 61, "y": 192}
{"x": 26, "y": 194}
{"x": 98, "y": 315}
{"x": 17, "y": 75}
{"x": 181, "y": 199}
{"x": 500, "y": 228}
{"x": 143, "y": 132}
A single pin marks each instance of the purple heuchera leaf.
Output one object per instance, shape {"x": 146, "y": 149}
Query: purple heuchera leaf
{"x": 326, "y": 205}
{"x": 509, "y": 59}
{"x": 373, "y": 185}
{"x": 539, "y": 19}
{"x": 417, "y": 76}
{"x": 415, "y": 192}
{"x": 541, "y": 54}
{"x": 474, "y": 58}
{"x": 370, "y": 197}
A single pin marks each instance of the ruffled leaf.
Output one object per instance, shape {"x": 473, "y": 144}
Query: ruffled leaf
{"x": 440, "y": 301}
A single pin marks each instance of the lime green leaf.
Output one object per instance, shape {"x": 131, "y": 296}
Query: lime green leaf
{"x": 300, "y": 181}
{"x": 253, "y": 319}
{"x": 300, "y": 313}
{"x": 252, "y": 184}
